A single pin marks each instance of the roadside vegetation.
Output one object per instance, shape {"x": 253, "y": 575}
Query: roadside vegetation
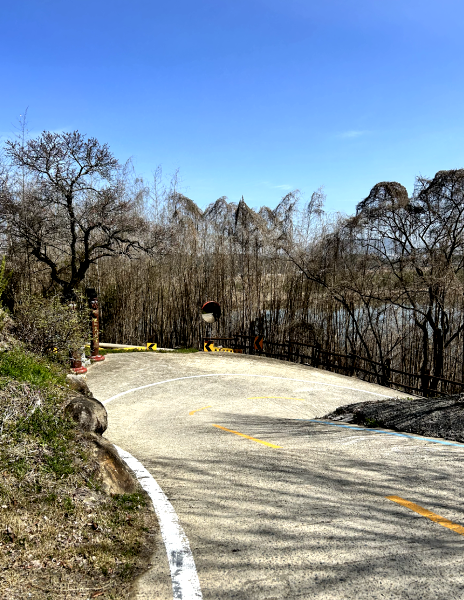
{"x": 61, "y": 536}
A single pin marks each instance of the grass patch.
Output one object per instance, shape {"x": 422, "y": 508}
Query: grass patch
{"x": 185, "y": 350}
{"x": 24, "y": 366}
{"x": 129, "y": 502}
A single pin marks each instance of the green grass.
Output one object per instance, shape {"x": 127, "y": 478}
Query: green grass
{"x": 26, "y": 367}
{"x": 129, "y": 501}
{"x": 185, "y": 350}
{"x": 47, "y": 428}
{"x": 371, "y": 422}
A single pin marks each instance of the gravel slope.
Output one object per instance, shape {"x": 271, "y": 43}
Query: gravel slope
{"x": 433, "y": 417}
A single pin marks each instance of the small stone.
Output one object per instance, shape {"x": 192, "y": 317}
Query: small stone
{"x": 78, "y": 383}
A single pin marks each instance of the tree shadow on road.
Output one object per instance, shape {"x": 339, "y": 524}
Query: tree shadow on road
{"x": 311, "y": 520}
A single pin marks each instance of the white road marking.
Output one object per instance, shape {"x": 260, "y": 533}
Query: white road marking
{"x": 185, "y": 583}
{"x": 142, "y": 387}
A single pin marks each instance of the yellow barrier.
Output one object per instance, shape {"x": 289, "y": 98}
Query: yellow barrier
{"x": 210, "y": 347}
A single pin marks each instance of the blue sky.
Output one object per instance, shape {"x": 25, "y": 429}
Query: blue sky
{"x": 252, "y": 98}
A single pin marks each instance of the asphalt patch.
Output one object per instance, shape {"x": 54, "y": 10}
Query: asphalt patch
{"x": 432, "y": 417}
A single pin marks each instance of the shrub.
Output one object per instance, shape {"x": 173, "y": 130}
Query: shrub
{"x": 49, "y": 326}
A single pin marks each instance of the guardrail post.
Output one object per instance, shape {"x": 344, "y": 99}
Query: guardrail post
{"x": 353, "y": 360}
{"x": 316, "y": 355}
{"x": 425, "y": 382}
{"x": 250, "y": 342}
{"x": 386, "y": 372}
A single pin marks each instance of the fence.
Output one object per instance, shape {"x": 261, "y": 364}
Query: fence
{"x": 314, "y": 355}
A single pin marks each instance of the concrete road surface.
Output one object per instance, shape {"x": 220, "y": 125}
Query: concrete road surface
{"x": 303, "y": 515}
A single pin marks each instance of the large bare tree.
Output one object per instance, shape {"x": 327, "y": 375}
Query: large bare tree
{"x": 420, "y": 242}
{"x": 70, "y": 204}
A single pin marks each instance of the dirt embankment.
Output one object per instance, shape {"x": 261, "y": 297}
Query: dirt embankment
{"x": 430, "y": 417}
{"x": 74, "y": 521}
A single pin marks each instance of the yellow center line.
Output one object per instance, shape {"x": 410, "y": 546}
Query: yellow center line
{"x": 194, "y": 411}
{"x": 279, "y": 397}
{"x": 428, "y": 514}
{"x": 248, "y": 437}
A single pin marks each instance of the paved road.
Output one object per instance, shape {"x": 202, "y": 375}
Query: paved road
{"x": 309, "y": 519}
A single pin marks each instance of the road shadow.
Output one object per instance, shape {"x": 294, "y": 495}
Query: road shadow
{"x": 312, "y": 520}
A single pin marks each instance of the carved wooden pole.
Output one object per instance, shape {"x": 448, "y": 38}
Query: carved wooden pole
{"x": 95, "y": 355}
{"x": 76, "y": 361}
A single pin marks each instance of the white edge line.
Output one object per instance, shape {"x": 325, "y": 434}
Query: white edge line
{"x": 142, "y": 387}
{"x": 185, "y": 582}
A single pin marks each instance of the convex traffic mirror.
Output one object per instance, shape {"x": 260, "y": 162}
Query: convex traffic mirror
{"x": 210, "y": 312}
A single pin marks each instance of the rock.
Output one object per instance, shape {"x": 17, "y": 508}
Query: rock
{"x": 88, "y": 412}
{"x": 113, "y": 474}
{"x": 78, "y": 384}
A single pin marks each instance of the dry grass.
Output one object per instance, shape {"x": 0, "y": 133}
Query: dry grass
{"x": 60, "y": 535}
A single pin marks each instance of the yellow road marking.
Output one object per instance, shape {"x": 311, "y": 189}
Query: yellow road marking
{"x": 428, "y": 513}
{"x": 194, "y": 411}
{"x": 248, "y": 437}
{"x": 279, "y": 397}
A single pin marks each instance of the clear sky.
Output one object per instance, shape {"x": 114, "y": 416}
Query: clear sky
{"x": 252, "y": 97}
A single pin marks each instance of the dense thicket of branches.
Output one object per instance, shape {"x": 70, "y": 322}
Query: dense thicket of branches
{"x": 385, "y": 283}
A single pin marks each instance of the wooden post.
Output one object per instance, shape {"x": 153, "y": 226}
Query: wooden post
{"x": 353, "y": 358}
{"x": 76, "y": 362}
{"x": 386, "y": 372}
{"x": 316, "y": 355}
{"x": 95, "y": 355}
{"x": 425, "y": 382}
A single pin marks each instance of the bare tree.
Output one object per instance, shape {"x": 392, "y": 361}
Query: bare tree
{"x": 70, "y": 205}
{"x": 420, "y": 242}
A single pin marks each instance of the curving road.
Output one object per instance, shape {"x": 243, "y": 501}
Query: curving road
{"x": 275, "y": 505}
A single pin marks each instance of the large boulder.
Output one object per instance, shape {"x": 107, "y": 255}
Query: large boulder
{"x": 113, "y": 474}
{"x": 89, "y": 413}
